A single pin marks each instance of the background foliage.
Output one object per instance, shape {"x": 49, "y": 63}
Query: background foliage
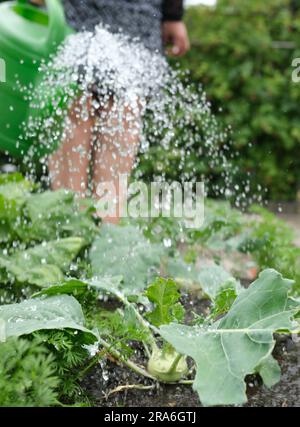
{"x": 242, "y": 53}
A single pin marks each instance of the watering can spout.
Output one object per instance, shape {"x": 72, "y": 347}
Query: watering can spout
{"x": 28, "y": 36}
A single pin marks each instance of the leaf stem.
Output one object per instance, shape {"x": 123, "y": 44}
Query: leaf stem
{"x": 140, "y": 318}
{"x": 175, "y": 363}
{"x": 93, "y": 362}
{"x": 129, "y": 363}
{"x": 186, "y": 382}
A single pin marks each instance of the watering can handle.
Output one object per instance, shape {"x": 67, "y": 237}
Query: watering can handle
{"x": 57, "y": 21}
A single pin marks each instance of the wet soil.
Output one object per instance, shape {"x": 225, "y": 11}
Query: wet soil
{"x": 284, "y": 394}
{"x": 102, "y": 382}
{"x": 287, "y": 392}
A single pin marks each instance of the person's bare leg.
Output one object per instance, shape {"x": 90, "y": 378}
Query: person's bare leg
{"x": 116, "y": 149}
{"x": 69, "y": 165}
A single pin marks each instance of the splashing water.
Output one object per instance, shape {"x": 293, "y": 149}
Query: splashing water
{"x": 125, "y": 96}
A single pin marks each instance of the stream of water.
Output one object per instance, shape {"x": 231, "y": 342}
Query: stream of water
{"x": 125, "y": 95}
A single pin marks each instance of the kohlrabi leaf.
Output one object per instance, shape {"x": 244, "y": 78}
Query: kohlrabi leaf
{"x": 57, "y": 252}
{"x": 77, "y": 287}
{"x": 13, "y": 194}
{"x": 58, "y": 312}
{"x": 43, "y": 264}
{"x": 223, "y": 302}
{"x": 123, "y": 250}
{"x": 112, "y": 285}
{"x": 214, "y": 278}
{"x": 237, "y": 345}
{"x": 270, "y": 371}
{"x": 2, "y": 330}
{"x": 67, "y": 287}
{"x": 7, "y": 178}
{"x": 121, "y": 325}
{"x": 54, "y": 214}
{"x": 40, "y": 275}
{"x": 178, "y": 269}
{"x": 163, "y": 293}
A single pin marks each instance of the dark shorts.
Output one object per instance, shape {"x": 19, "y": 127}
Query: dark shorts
{"x": 137, "y": 18}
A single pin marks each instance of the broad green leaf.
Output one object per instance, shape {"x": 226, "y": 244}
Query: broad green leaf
{"x": 49, "y": 204}
{"x": 72, "y": 286}
{"x": 2, "y": 330}
{"x": 211, "y": 279}
{"x": 41, "y": 276}
{"x": 6, "y": 232}
{"x": 123, "y": 250}
{"x": 53, "y": 214}
{"x": 177, "y": 268}
{"x": 163, "y": 293}
{"x": 122, "y": 324}
{"x": 77, "y": 287}
{"x": 214, "y": 278}
{"x": 81, "y": 225}
{"x": 228, "y": 350}
{"x": 6, "y": 178}
{"x": 13, "y": 195}
{"x": 108, "y": 284}
{"x": 270, "y": 371}
{"x": 43, "y": 264}
{"x": 57, "y": 252}
{"x": 58, "y": 312}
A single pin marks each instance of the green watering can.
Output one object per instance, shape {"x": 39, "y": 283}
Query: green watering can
{"x": 28, "y": 35}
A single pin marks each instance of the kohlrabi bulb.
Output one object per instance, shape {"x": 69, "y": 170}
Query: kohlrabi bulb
{"x": 166, "y": 366}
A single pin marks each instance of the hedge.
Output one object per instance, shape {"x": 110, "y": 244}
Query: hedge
{"x": 242, "y": 53}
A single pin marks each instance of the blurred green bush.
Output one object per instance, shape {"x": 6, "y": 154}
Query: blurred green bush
{"x": 242, "y": 53}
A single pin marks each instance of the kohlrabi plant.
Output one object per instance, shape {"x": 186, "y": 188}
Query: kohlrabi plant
{"x": 73, "y": 293}
{"x": 234, "y": 340}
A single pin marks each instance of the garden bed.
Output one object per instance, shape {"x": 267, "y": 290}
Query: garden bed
{"x": 110, "y": 385}
{"x": 140, "y": 313}
{"x": 284, "y": 394}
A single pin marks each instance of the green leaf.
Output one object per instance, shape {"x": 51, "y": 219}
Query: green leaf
{"x": 211, "y": 279}
{"x": 123, "y": 250}
{"x": 13, "y": 194}
{"x": 123, "y": 325}
{"x": 108, "y": 284}
{"x": 53, "y": 214}
{"x": 270, "y": 371}
{"x": 163, "y": 293}
{"x": 180, "y": 270}
{"x": 43, "y": 264}
{"x": 228, "y": 350}
{"x": 223, "y": 302}
{"x": 49, "y": 204}
{"x": 58, "y": 252}
{"x": 78, "y": 287}
{"x": 58, "y": 312}
{"x": 6, "y": 178}
{"x": 2, "y": 330}
{"x": 72, "y": 286}
{"x": 214, "y": 278}
{"x": 28, "y": 374}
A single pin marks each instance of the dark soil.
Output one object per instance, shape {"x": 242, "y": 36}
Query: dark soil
{"x": 105, "y": 378}
{"x": 286, "y": 393}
